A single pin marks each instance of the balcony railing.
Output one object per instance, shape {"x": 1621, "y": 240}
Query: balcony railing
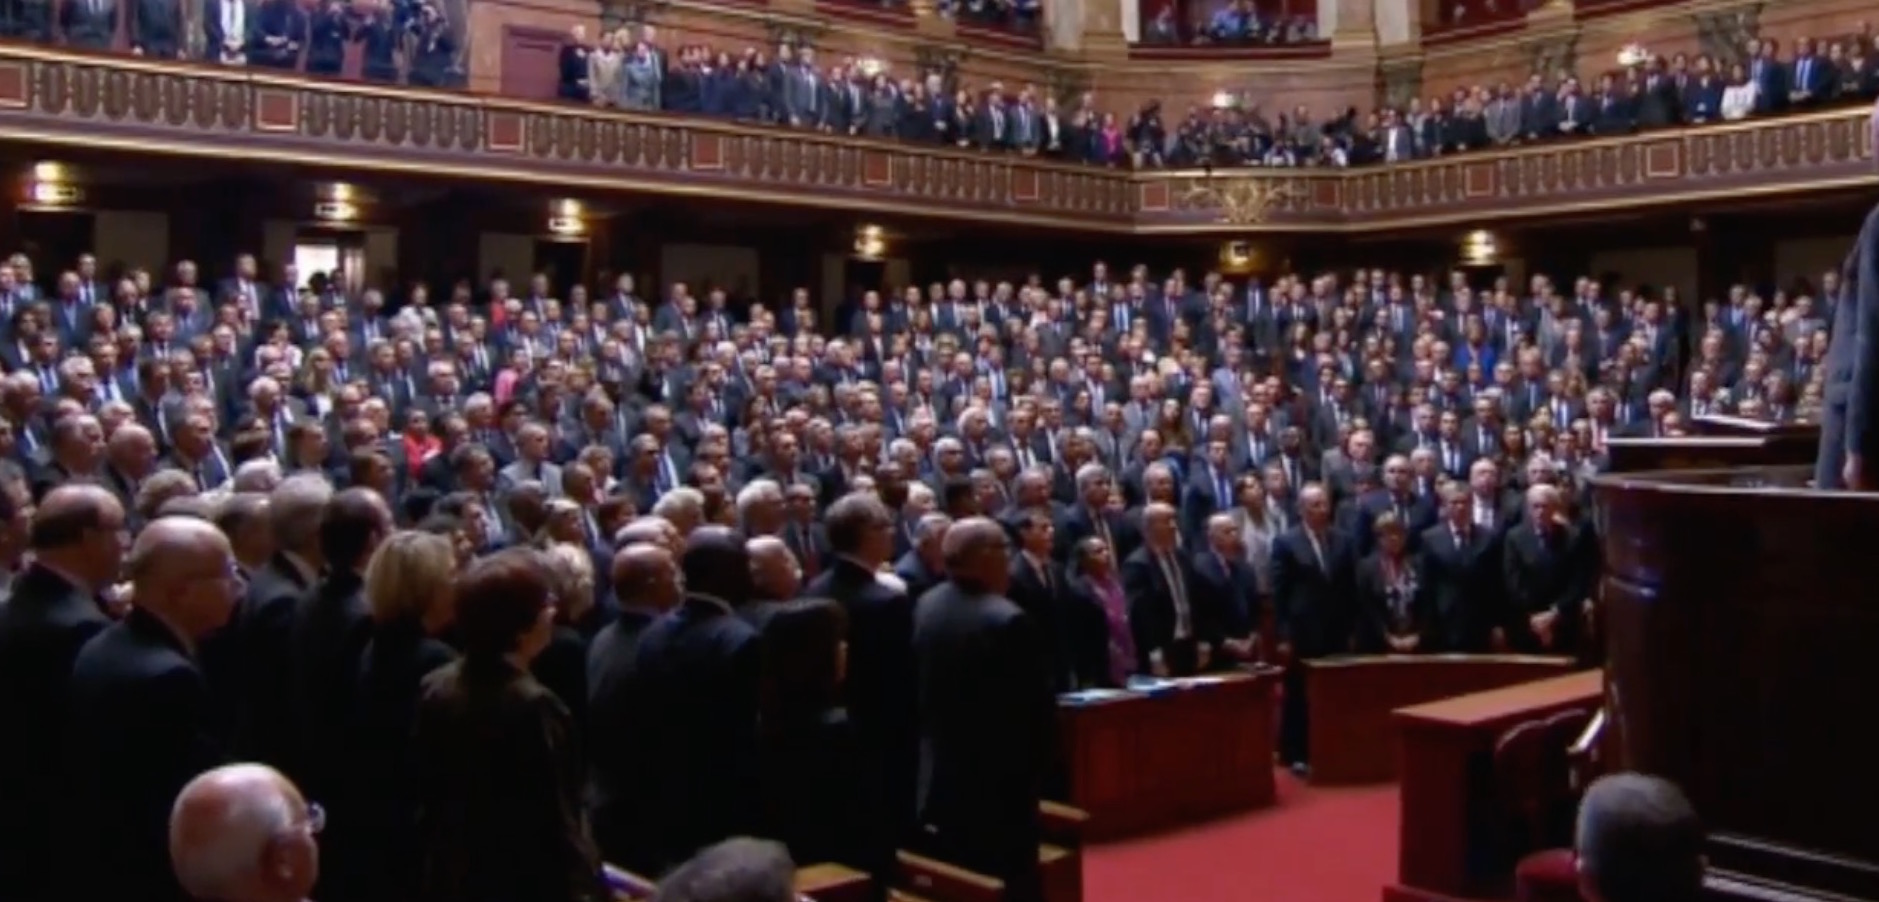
{"x": 245, "y": 116}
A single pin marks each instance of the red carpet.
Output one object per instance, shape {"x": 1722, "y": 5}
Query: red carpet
{"x": 1316, "y": 845}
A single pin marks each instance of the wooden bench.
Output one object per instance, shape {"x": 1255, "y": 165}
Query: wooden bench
{"x": 1059, "y": 863}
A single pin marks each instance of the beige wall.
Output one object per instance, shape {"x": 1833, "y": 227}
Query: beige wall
{"x": 132, "y": 238}
{"x": 1808, "y": 258}
{"x": 1654, "y": 266}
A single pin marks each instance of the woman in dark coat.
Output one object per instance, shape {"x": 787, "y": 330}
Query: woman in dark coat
{"x": 410, "y": 584}
{"x": 500, "y": 772}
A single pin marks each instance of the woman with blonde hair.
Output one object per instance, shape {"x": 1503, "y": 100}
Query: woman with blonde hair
{"x": 410, "y": 584}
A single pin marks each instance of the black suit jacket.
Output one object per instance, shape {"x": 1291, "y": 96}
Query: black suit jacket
{"x": 1153, "y": 617}
{"x": 325, "y": 639}
{"x": 703, "y": 670}
{"x": 1461, "y": 589}
{"x": 43, "y": 624}
{"x": 1229, "y": 587}
{"x": 369, "y": 849}
{"x": 618, "y": 711}
{"x": 1042, "y": 597}
{"x": 244, "y": 662}
{"x": 882, "y": 697}
{"x": 143, "y": 725}
{"x": 1553, "y": 574}
{"x": 499, "y": 790}
{"x": 1315, "y": 605}
{"x": 986, "y": 718}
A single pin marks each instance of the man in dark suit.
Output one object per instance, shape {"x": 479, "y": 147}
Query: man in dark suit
{"x": 1394, "y": 496}
{"x": 1175, "y": 633}
{"x": 1315, "y": 600}
{"x": 1460, "y": 577}
{"x": 1037, "y": 586}
{"x": 244, "y": 660}
{"x": 1548, "y": 572}
{"x": 136, "y": 687}
{"x": 881, "y": 692}
{"x": 646, "y": 584}
{"x": 986, "y": 712}
{"x": 1849, "y": 425}
{"x": 51, "y": 612}
{"x": 702, "y": 667}
{"x": 329, "y": 630}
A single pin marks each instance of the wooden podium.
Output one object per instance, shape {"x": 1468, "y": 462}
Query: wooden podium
{"x": 1353, "y": 697}
{"x": 1742, "y": 630}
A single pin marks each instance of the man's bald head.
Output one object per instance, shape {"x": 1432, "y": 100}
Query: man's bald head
{"x": 243, "y": 831}
{"x": 773, "y": 568}
{"x": 645, "y": 574}
{"x": 182, "y": 570}
{"x": 79, "y": 527}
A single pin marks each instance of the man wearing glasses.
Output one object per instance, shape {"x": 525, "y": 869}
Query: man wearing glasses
{"x": 242, "y": 832}
{"x": 143, "y": 723}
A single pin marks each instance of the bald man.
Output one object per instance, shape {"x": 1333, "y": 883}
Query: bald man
{"x": 1314, "y": 600}
{"x": 1849, "y": 423}
{"x": 986, "y": 719}
{"x": 243, "y": 833}
{"x": 143, "y": 723}
{"x": 53, "y": 611}
{"x": 646, "y": 584}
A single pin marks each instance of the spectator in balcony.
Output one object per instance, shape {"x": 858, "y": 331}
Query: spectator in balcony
{"x": 1539, "y": 111}
{"x": 1659, "y": 103}
{"x": 279, "y": 33}
{"x": 1503, "y": 117}
{"x": 606, "y": 69}
{"x": 1812, "y": 79}
{"x": 1769, "y": 77}
{"x": 640, "y": 80}
{"x": 1702, "y": 94}
{"x": 380, "y": 41}
{"x": 326, "y": 39}
{"x": 576, "y": 80}
{"x": 1859, "y": 77}
{"x": 1233, "y": 23}
{"x": 156, "y": 28}
{"x": 801, "y": 91}
{"x": 88, "y": 24}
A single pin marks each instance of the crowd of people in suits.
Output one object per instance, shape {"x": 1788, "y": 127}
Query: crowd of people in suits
{"x": 510, "y": 582}
{"x": 791, "y": 87}
{"x": 413, "y": 42}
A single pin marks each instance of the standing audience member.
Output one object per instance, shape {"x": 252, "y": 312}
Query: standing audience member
{"x": 647, "y": 584}
{"x": 986, "y": 712}
{"x": 703, "y": 670}
{"x": 76, "y": 539}
{"x": 137, "y": 687}
{"x": 881, "y": 696}
{"x": 410, "y": 587}
{"x": 499, "y": 771}
{"x": 244, "y": 833}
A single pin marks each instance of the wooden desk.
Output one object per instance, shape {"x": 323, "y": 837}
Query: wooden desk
{"x": 1139, "y": 762}
{"x": 1447, "y": 749}
{"x": 814, "y": 883}
{"x": 1353, "y": 697}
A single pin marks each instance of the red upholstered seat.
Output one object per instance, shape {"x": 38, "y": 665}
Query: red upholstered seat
{"x": 1547, "y": 876}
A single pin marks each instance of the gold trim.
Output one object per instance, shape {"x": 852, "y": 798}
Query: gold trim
{"x": 657, "y": 184}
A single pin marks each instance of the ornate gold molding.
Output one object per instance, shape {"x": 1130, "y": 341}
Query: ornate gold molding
{"x": 1239, "y": 200}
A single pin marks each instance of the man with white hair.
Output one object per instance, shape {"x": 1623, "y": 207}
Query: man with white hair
{"x": 760, "y": 508}
{"x": 259, "y": 476}
{"x": 1550, "y": 573}
{"x": 243, "y": 833}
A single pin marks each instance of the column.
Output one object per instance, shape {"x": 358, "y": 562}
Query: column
{"x": 1106, "y": 25}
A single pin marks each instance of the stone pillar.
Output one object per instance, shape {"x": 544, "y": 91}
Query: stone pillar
{"x": 1103, "y": 36}
{"x": 1353, "y": 23}
{"x": 1398, "y": 23}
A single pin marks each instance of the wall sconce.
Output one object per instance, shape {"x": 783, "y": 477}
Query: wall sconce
{"x": 870, "y": 242}
{"x": 870, "y": 66}
{"x": 1478, "y": 248}
{"x": 1237, "y": 257}
{"x": 1225, "y": 100}
{"x": 567, "y": 219}
{"x": 51, "y": 186}
{"x": 1633, "y": 55}
{"x": 335, "y": 211}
